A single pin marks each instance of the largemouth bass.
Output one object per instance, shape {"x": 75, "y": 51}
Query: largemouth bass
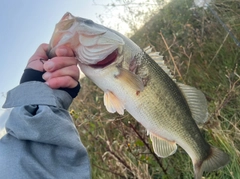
{"x": 132, "y": 79}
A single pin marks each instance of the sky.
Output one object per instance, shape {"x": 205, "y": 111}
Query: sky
{"x": 25, "y": 24}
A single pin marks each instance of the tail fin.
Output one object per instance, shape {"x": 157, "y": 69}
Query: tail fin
{"x": 216, "y": 160}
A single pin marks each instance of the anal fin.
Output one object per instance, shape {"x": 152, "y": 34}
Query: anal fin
{"x": 162, "y": 147}
{"x": 112, "y": 103}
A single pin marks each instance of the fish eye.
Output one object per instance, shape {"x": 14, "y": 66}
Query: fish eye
{"x": 88, "y": 22}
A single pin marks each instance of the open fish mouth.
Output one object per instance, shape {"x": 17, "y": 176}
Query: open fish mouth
{"x": 107, "y": 61}
{"x": 93, "y": 44}
{"x": 138, "y": 81}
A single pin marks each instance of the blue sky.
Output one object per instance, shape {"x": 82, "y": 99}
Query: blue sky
{"x": 25, "y": 24}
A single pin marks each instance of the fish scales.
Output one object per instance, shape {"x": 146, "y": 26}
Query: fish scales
{"x": 163, "y": 101}
{"x": 140, "y": 83}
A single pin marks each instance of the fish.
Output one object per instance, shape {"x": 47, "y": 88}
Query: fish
{"x": 138, "y": 81}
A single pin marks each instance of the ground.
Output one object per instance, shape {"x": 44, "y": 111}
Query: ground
{"x": 200, "y": 53}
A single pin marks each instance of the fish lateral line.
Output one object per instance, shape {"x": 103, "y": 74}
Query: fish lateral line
{"x": 123, "y": 71}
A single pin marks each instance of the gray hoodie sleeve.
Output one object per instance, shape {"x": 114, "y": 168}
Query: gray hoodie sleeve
{"x": 41, "y": 141}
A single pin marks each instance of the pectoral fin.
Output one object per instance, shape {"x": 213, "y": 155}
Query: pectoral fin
{"x": 130, "y": 79}
{"x": 162, "y": 147}
{"x": 112, "y": 103}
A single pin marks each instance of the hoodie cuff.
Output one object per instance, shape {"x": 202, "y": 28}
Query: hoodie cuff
{"x": 35, "y": 75}
{"x": 31, "y": 75}
{"x": 37, "y": 93}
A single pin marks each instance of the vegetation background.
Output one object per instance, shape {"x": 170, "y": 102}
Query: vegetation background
{"x": 200, "y": 53}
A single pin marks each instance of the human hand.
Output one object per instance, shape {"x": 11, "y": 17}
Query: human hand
{"x": 61, "y": 71}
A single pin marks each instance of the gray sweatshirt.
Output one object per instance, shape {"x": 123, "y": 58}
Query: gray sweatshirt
{"x": 39, "y": 140}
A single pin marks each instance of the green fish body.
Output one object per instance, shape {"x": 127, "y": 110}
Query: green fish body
{"x": 137, "y": 80}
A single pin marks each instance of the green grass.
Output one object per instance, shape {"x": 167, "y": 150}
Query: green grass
{"x": 206, "y": 59}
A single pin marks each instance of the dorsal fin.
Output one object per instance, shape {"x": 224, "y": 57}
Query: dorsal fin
{"x": 196, "y": 101}
{"x": 159, "y": 60}
{"x": 195, "y": 98}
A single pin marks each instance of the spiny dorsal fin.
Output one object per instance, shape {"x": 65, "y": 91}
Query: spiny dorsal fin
{"x": 195, "y": 98}
{"x": 159, "y": 60}
{"x": 196, "y": 102}
{"x": 162, "y": 147}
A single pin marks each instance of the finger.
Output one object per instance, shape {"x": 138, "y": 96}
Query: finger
{"x": 41, "y": 52}
{"x": 64, "y": 51}
{"x": 34, "y": 62}
{"x": 58, "y": 63}
{"x": 62, "y": 82}
{"x": 72, "y": 71}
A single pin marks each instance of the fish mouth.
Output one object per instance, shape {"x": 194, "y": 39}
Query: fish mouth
{"x": 106, "y": 61}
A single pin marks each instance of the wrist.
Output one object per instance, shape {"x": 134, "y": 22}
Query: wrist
{"x": 31, "y": 75}
{"x": 35, "y": 75}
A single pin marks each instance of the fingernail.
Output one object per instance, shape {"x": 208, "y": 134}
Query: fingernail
{"x": 47, "y": 83}
{"x": 46, "y": 76}
{"x": 49, "y": 65}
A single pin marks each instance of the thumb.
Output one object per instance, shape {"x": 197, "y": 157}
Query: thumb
{"x": 64, "y": 52}
{"x": 41, "y": 52}
{"x": 34, "y": 62}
